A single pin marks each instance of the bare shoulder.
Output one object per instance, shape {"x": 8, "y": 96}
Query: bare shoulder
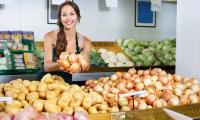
{"x": 86, "y": 40}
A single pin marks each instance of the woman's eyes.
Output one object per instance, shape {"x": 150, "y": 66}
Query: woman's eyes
{"x": 71, "y": 14}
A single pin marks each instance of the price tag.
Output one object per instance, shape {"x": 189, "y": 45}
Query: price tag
{"x": 137, "y": 93}
{"x": 156, "y": 5}
{"x": 6, "y": 99}
{"x": 111, "y": 3}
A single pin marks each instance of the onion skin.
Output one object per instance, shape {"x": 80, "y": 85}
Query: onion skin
{"x": 75, "y": 67}
{"x": 73, "y": 58}
{"x": 139, "y": 86}
{"x": 166, "y": 95}
{"x": 163, "y": 79}
{"x": 132, "y": 71}
{"x": 126, "y": 76}
{"x": 184, "y": 100}
{"x": 193, "y": 98}
{"x": 150, "y": 99}
{"x": 119, "y": 75}
{"x": 129, "y": 85}
{"x": 158, "y": 103}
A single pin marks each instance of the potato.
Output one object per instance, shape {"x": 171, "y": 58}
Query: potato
{"x": 64, "y": 87}
{"x": 75, "y": 103}
{"x": 32, "y": 87}
{"x": 17, "y": 85}
{"x": 2, "y": 105}
{"x": 1, "y": 87}
{"x": 16, "y": 103}
{"x": 47, "y": 78}
{"x": 51, "y": 107}
{"x": 24, "y": 90}
{"x": 53, "y": 86}
{"x": 102, "y": 107}
{"x": 42, "y": 95}
{"x": 68, "y": 94}
{"x": 32, "y": 96}
{"x": 1, "y": 94}
{"x": 11, "y": 109}
{"x": 42, "y": 87}
{"x": 50, "y": 95}
{"x": 11, "y": 93}
{"x": 92, "y": 110}
{"x": 21, "y": 96}
{"x": 25, "y": 103}
{"x": 57, "y": 91}
{"x": 63, "y": 102}
{"x": 57, "y": 78}
{"x": 14, "y": 82}
{"x": 38, "y": 105}
{"x": 78, "y": 95}
{"x": 7, "y": 86}
{"x": 68, "y": 110}
{"x": 87, "y": 102}
{"x": 26, "y": 83}
{"x": 81, "y": 109}
{"x": 76, "y": 87}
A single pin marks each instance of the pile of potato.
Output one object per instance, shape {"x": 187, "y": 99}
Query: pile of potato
{"x": 52, "y": 95}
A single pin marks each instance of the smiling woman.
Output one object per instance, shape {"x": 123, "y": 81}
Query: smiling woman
{"x": 64, "y": 39}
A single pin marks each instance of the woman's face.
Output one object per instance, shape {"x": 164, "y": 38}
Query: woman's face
{"x": 68, "y": 17}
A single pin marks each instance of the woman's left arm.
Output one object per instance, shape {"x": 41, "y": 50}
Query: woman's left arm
{"x": 86, "y": 49}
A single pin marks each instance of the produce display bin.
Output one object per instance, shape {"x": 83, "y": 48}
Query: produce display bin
{"x": 191, "y": 110}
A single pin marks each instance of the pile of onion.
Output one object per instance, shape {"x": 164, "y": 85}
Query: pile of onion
{"x": 163, "y": 89}
{"x": 72, "y": 63}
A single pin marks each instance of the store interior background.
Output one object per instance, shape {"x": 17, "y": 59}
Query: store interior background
{"x": 98, "y": 22}
{"x": 103, "y": 24}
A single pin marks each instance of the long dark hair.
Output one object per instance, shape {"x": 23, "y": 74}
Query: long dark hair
{"x": 61, "y": 37}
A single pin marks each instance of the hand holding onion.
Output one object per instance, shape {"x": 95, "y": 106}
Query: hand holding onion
{"x": 72, "y": 63}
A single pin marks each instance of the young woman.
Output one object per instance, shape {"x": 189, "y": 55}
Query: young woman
{"x": 65, "y": 39}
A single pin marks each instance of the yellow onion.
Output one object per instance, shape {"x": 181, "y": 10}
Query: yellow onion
{"x": 164, "y": 102}
{"x": 177, "y": 78}
{"x": 154, "y": 78}
{"x": 149, "y": 107}
{"x": 126, "y": 76}
{"x": 174, "y": 100}
{"x": 178, "y": 92}
{"x": 150, "y": 99}
{"x": 188, "y": 92}
{"x": 132, "y": 71}
{"x": 142, "y": 105}
{"x": 64, "y": 56}
{"x": 166, "y": 95}
{"x": 98, "y": 88}
{"x": 193, "y": 98}
{"x": 147, "y": 72}
{"x": 158, "y": 85}
{"x": 113, "y": 77}
{"x": 139, "y": 86}
{"x": 155, "y": 72}
{"x": 151, "y": 90}
{"x": 194, "y": 81}
{"x": 75, "y": 67}
{"x": 119, "y": 74}
{"x": 137, "y": 80}
{"x": 184, "y": 100}
{"x": 140, "y": 72}
{"x": 64, "y": 63}
{"x": 123, "y": 101}
{"x": 147, "y": 81}
{"x": 114, "y": 90}
{"x": 180, "y": 86}
{"x": 129, "y": 85}
{"x": 163, "y": 79}
{"x": 73, "y": 58}
{"x": 121, "y": 86}
{"x": 157, "y": 104}
{"x": 195, "y": 88}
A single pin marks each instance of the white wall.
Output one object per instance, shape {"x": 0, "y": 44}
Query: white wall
{"x": 188, "y": 38}
{"x": 98, "y": 22}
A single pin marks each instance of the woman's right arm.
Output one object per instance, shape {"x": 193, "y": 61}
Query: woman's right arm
{"x": 49, "y": 65}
